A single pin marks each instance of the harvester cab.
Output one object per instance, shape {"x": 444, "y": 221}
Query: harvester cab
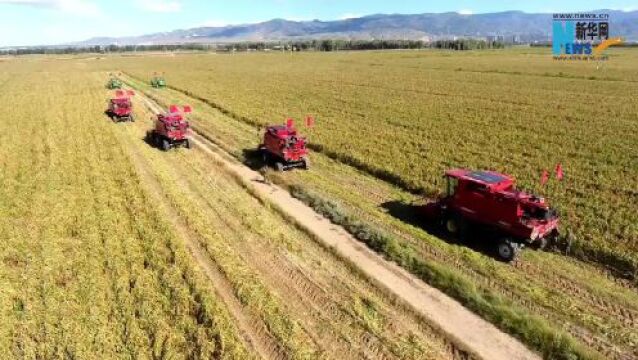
{"x": 158, "y": 81}
{"x": 120, "y": 108}
{"x": 489, "y": 201}
{"x": 171, "y": 129}
{"x": 284, "y": 147}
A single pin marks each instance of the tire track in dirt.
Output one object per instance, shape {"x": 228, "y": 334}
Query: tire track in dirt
{"x": 300, "y": 297}
{"x": 466, "y": 329}
{"x": 252, "y": 330}
{"x": 334, "y": 327}
{"x": 311, "y": 298}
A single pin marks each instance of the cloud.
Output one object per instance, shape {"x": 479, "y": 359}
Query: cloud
{"x": 349, "y": 16}
{"x": 466, "y": 12}
{"x": 299, "y": 18}
{"x": 76, "y": 7}
{"x": 214, "y": 23}
{"x": 162, "y": 6}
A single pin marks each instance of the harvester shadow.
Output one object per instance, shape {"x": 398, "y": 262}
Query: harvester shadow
{"x": 253, "y": 159}
{"x": 413, "y": 214}
{"x": 109, "y": 116}
{"x": 149, "y": 141}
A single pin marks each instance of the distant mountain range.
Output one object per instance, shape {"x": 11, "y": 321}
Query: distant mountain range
{"x": 508, "y": 26}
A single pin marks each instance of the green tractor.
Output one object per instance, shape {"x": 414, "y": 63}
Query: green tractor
{"x": 158, "y": 82}
{"x": 114, "y": 83}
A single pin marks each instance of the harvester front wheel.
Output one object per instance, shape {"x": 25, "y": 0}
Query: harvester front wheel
{"x": 187, "y": 144}
{"x": 457, "y": 226}
{"x": 264, "y": 157}
{"x": 507, "y": 250}
{"x": 453, "y": 224}
{"x": 279, "y": 166}
{"x": 152, "y": 137}
{"x": 306, "y": 164}
{"x": 165, "y": 145}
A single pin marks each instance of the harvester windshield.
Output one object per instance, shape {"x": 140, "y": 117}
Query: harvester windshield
{"x": 292, "y": 142}
{"x": 122, "y": 103}
{"x": 536, "y": 213}
{"x": 536, "y": 208}
{"x": 176, "y": 125}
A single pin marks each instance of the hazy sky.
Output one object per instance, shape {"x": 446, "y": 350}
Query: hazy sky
{"x": 35, "y": 22}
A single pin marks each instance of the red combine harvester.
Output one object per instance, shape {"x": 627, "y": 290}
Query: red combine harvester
{"x": 121, "y": 107}
{"x": 489, "y": 201}
{"x": 284, "y": 148}
{"x": 171, "y": 129}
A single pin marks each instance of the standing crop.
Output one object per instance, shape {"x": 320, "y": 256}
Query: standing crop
{"x": 394, "y": 126}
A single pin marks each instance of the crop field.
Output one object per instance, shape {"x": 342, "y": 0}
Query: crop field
{"x": 390, "y": 123}
{"x": 418, "y": 114}
{"x": 98, "y": 274}
{"x": 112, "y": 249}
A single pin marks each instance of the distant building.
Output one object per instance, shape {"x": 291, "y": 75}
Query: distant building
{"x": 495, "y": 38}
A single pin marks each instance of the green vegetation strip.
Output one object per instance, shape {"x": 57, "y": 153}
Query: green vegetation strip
{"x": 532, "y": 330}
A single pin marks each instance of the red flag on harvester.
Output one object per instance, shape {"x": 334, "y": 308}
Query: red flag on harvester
{"x": 310, "y": 121}
{"x": 290, "y": 123}
{"x": 544, "y": 177}
{"x": 188, "y": 109}
{"x": 119, "y": 93}
{"x": 560, "y": 175}
{"x": 173, "y": 109}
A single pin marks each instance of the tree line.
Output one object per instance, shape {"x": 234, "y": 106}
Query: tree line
{"x": 102, "y": 49}
{"x": 353, "y": 45}
{"x": 301, "y": 45}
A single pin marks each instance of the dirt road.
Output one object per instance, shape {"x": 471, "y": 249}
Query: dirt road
{"x": 310, "y": 301}
{"x": 467, "y": 330}
{"x": 253, "y": 331}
